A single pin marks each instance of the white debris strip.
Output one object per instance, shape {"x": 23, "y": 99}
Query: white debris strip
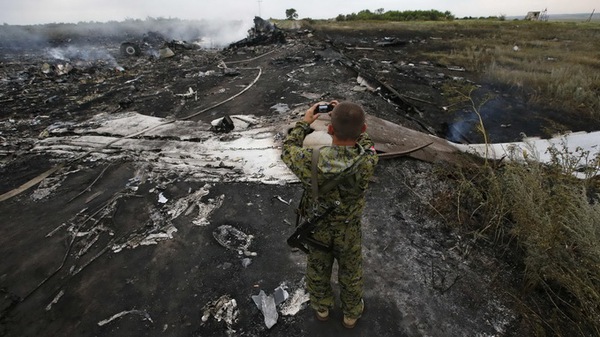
{"x": 56, "y": 230}
{"x": 535, "y": 148}
{"x": 142, "y": 313}
{"x": 55, "y": 300}
{"x": 153, "y": 239}
{"x": 186, "y": 204}
{"x": 160, "y": 229}
{"x": 250, "y": 153}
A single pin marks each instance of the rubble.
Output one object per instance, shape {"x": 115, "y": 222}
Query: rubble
{"x": 223, "y": 309}
{"x": 263, "y": 32}
{"x": 133, "y": 183}
{"x": 268, "y": 304}
{"x": 234, "y": 239}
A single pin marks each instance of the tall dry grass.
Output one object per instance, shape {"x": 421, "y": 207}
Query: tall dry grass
{"x": 553, "y": 219}
{"x": 557, "y": 64}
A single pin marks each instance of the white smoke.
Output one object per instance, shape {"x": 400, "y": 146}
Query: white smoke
{"x": 82, "y": 53}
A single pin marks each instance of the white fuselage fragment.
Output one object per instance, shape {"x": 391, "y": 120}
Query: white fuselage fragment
{"x": 249, "y": 153}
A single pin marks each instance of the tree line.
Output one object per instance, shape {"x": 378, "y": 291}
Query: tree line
{"x": 379, "y": 14}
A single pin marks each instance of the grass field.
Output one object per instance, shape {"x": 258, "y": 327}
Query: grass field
{"x": 556, "y": 64}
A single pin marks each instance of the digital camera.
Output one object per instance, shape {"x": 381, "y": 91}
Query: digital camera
{"x": 324, "y": 108}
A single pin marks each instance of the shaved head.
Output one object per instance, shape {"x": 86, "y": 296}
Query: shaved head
{"x": 348, "y": 119}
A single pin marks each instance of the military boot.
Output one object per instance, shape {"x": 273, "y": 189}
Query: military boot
{"x": 351, "y": 322}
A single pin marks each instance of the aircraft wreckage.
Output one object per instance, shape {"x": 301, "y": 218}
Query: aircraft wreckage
{"x": 251, "y": 151}
{"x": 135, "y": 233}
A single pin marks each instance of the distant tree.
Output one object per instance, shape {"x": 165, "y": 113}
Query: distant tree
{"x": 379, "y": 14}
{"x": 291, "y": 14}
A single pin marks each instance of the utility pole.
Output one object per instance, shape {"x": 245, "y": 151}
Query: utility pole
{"x": 590, "y": 18}
{"x": 259, "y": 2}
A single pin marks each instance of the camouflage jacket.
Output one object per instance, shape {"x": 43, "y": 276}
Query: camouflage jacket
{"x": 333, "y": 161}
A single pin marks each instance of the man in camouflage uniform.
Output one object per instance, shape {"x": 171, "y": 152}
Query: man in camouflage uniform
{"x": 349, "y": 163}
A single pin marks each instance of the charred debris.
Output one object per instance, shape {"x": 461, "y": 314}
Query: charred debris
{"x": 148, "y": 142}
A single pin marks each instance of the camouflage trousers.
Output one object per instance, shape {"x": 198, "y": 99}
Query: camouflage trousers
{"x": 345, "y": 238}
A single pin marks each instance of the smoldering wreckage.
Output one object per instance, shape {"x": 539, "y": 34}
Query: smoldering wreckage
{"x": 143, "y": 193}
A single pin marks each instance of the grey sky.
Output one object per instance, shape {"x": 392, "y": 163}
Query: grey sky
{"x": 47, "y": 11}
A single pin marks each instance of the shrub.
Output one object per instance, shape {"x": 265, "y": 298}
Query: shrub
{"x": 552, "y": 217}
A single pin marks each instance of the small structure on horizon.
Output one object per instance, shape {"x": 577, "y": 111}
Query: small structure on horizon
{"x": 537, "y": 15}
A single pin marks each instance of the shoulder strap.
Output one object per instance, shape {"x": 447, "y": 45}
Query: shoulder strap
{"x": 314, "y": 182}
{"x": 331, "y": 184}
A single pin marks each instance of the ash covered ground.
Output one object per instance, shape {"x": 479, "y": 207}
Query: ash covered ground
{"x": 168, "y": 233}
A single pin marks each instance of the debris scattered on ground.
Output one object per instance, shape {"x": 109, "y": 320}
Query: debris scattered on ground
{"x": 234, "y": 239}
{"x": 266, "y": 304}
{"x": 142, "y": 313}
{"x": 189, "y": 94}
{"x": 141, "y": 114}
{"x": 222, "y": 309}
{"x": 295, "y": 303}
{"x": 55, "y": 300}
{"x": 223, "y": 124}
{"x": 287, "y": 202}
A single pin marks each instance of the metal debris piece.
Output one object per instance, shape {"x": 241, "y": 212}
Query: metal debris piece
{"x": 296, "y": 303}
{"x": 189, "y": 94}
{"x": 142, "y": 313}
{"x": 257, "y": 299}
{"x": 223, "y": 124}
{"x": 246, "y": 262}
{"x": 162, "y": 199}
{"x": 165, "y": 52}
{"x": 206, "y": 209}
{"x": 63, "y": 69}
{"x": 55, "y": 300}
{"x": 266, "y": 304}
{"x": 223, "y": 309}
{"x": 234, "y": 239}
{"x": 56, "y": 230}
{"x": 187, "y": 204}
{"x": 282, "y": 200}
{"x": 154, "y": 238}
{"x": 159, "y": 228}
{"x": 456, "y": 68}
{"x": 280, "y": 295}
